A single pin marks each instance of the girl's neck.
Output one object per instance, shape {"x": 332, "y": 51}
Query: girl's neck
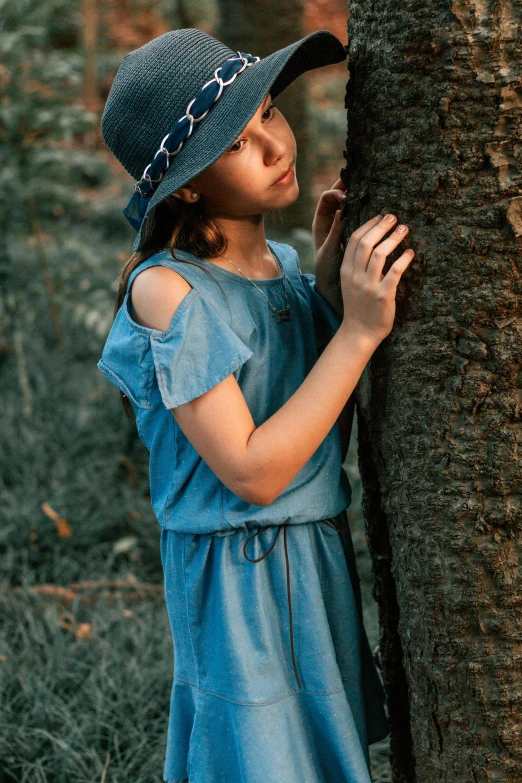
{"x": 247, "y": 248}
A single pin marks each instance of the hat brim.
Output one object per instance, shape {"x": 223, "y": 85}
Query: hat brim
{"x": 238, "y": 103}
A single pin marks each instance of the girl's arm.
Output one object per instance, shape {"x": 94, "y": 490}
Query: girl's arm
{"x": 258, "y": 463}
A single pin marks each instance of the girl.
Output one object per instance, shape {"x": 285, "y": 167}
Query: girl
{"x": 239, "y": 369}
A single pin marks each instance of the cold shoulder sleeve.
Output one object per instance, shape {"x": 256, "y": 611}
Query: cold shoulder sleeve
{"x": 326, "y": 320}
{"x": 197, "y": 352}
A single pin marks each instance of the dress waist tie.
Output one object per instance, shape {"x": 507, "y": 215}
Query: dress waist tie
{"x": 331, "y": 523}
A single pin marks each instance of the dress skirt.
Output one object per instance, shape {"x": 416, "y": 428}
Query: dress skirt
{"x": 274, "y": 679}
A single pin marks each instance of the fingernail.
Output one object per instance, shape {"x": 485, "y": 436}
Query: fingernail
{"x": 390, "y": 218}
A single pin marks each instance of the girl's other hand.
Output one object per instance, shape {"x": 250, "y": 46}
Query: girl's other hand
{"x": 368, "y": 295}
{"x": 327, "y": 231}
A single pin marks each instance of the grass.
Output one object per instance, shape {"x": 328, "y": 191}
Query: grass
{"x": 85, "y": 690}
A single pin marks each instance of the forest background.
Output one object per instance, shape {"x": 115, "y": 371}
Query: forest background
{"x": 86, "y": 657}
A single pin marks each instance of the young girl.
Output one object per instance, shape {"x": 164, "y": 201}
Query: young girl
{"x": 239, "y": 369}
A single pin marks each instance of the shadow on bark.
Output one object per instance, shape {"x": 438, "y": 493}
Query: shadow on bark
{"x": 390, "y": 648}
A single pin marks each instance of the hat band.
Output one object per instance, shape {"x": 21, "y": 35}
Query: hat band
{"x": 196, "y": 110}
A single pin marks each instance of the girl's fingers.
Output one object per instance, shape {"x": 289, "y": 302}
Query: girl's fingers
{"x": 370, "y": 246}
{"x": 332, "y": 244}
{"x": 394, "y": 273}
{"x": 339, "y": 184}
{"x": 324, "y": 219}
{"x": 362, "y": 242}
{"x": 329, "y": 201}
{"x": 381, "y": 252}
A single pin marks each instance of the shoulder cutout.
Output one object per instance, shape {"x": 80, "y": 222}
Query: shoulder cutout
{"x": 156, "y": 294}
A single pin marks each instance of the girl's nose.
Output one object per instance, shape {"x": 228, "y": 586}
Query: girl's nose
{"x": 275, "y": 149}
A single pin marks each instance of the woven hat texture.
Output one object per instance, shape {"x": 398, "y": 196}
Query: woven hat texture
{"x": 155, "y": 83}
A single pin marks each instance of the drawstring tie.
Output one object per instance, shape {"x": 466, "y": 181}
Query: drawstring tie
{"x": 330, "y": 522}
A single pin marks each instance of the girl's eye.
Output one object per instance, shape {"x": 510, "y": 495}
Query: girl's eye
{"x": 234, "y": 147}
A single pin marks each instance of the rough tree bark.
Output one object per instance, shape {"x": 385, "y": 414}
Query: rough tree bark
{"x": 434, "y": 105}
{"x": 244, "y": 26}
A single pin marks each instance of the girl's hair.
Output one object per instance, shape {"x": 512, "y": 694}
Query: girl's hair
{"x": 175, "y": 224}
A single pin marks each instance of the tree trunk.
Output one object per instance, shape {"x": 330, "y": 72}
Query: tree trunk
{"x": 260, "y": 29}
{"x": 434, "y": 115}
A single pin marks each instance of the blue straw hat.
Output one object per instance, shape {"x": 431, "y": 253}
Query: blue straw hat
{"x": 178, "y": 102}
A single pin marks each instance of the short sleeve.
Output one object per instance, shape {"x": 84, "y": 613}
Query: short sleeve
{"x": 198, "y": 351}
{"x": 126, "y": 360}
{"x": 326, "y": 320}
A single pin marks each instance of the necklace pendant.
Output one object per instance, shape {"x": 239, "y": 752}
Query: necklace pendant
{"x": 282, "y": 315}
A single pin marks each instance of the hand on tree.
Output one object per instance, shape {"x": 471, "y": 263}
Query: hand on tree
{"x": 327, "y": 231}
{"x": 368, "y": 294}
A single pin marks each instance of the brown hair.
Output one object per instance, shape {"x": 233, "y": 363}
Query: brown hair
{"x": 176, "y": 224}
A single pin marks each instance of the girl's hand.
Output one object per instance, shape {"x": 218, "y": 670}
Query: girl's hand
{"x": 327, "y": 231}
{"x": 368, "y": 295}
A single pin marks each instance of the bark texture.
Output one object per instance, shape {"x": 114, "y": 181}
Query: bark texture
{"x": 263, "y": 28}
{"x": 434, "y": 105}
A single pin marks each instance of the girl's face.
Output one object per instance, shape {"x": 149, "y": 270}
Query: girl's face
{"x": 241, "y": 181}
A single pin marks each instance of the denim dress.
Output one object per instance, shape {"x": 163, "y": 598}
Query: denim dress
{"x": 274, "y": 680}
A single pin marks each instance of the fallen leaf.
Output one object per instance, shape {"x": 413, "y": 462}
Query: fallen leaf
{"x": 62, "y": 526}
{"x": 84, "y": 631}
{"x": 124, "y": 545}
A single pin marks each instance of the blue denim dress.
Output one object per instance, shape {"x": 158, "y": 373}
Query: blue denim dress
{"x": 274, "y": 679}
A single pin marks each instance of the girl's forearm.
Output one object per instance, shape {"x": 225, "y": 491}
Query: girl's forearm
{"x": 281, "y": 446}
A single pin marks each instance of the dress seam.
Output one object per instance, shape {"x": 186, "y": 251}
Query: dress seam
{"x": 123, "y": 386}
{"x": 187, "y": 610}
{"x": 167, "y": 506}
{"x": 296, "y": 606}
{"x": 259, "y": 703}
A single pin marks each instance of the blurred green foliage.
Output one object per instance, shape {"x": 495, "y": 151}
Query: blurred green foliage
{"x": 41, "y": 74}
{"x": 72, "y": 707}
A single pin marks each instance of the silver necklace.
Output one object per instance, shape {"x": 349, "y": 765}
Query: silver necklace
{"x": 280, "y": 314}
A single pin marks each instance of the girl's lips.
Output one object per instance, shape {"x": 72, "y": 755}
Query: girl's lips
{"x": 286, "y": 178}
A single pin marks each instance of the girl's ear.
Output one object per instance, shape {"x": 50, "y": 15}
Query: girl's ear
{"x": 186, "y": 193}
